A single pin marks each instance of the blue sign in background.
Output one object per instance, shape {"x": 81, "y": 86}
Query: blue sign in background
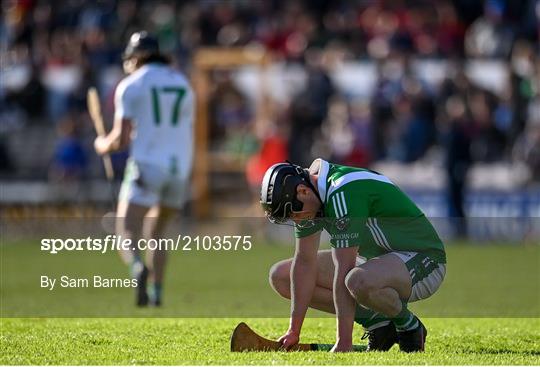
{"x": 491, "y": 215}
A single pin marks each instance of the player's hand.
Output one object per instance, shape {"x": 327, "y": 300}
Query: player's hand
{"x": 290, "y": 339}
{"x": 340, "y": 347}
{"x": 100, "y": 145}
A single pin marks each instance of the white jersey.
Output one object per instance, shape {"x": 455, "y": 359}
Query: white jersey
{"x": 160, "y": 103}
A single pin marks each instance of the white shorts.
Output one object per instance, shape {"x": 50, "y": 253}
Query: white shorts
{"x": 149, "y": 185}
{"x": 426, "y": 274}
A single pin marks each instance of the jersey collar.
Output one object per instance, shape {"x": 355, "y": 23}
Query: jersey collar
{"x": 152, "y": 65}
{"x": 320, "y": 167}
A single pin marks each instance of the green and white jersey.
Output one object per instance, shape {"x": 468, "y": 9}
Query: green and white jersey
{"x": 367, "y": 210}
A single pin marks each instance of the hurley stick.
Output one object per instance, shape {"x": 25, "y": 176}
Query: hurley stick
{"x": 244, "y": 339}
{"x": 94, "y": 109}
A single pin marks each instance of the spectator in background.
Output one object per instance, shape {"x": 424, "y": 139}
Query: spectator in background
{"x": 398, "y": 146}
{"x": 345, "y": 135}
{"x": 404, "y": 112}
{"x": 503, "y": 115}
{"x": 336, "y": 140}
{"x": 308, "y": 110}
{"x": 418, "y": 135}
{"x": 456, "y": 81}
{"x": 457, "y": 139}
{"x": 450, "y": 30}
{"x": 490, "y": 35}
{"x": 489, "y": 142}
{"x": 229, "y": 108}
{"x": 70, "y": 161}
{"x": 425, "y": 111}
{"x": 127, "y": 20}
{"x": 6, "y": 163}
{"x": 362, "y": 130}
{"x": 527, "y": 147}
{"x": 385, "y": 94}
{"x": 416, "y": 111}
{"x": 95, "y": 49}
{"x": 231, "y": 117}
{"x": 62, "y": 73}
{"x": 23, "y": 90}
{"x": 522, "y": 83}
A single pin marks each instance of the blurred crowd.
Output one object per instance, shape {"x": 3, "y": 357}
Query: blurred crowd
{"x": 52, "y": 51}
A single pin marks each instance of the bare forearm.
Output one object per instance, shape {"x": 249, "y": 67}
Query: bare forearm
{"x": 345, "y": 309}
{"x": 117, "y": 139}
{"x": 344, "y": 303}
{"x": 107, "y": 144}
{"x": 303, "y": 277}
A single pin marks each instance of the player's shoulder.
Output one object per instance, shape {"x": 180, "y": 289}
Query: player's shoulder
{"x": 131, "y": 80}
{"x": 181, "y": 77}
{"x": 167, "y": 75}
{"x": 351, "y": 178}
{"x": 165, "y": 70}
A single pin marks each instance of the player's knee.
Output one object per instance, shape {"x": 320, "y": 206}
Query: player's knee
{"x": 279, "y": 278}
{"x": 359, "y": 283}
{"x": 350, "y": 281}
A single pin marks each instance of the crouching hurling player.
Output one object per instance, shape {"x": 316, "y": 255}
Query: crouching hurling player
{"x": 385, "y": 253}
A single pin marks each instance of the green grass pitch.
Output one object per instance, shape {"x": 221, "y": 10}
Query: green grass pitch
{"x": 482, "y": 282}
{"x": 205, "y": 341}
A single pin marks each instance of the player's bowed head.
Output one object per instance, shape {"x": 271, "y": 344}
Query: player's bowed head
{"x": 288, "y": 192}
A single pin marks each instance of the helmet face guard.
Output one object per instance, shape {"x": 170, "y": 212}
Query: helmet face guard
{"x": 278, "y": 192}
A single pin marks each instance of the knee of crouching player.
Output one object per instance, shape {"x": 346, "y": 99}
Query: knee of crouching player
{"x": 279, "y": 278}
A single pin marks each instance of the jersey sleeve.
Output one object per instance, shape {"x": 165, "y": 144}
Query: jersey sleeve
{"x": 300, "y": 232}
{"x": 125, "y": 100}
{"x": 348, "y": 210}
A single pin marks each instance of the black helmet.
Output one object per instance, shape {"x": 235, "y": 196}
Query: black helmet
{"x": 141, "y": 43}
{"x": 278, "y": 190}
